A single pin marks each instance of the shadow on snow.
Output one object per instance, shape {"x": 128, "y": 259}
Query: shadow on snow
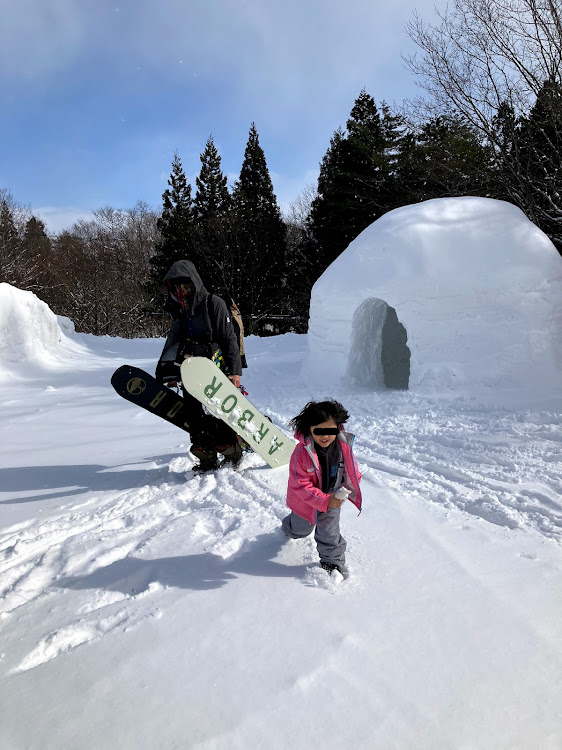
{"x": 75, "y": 480}
{"x": 132, "y": 576}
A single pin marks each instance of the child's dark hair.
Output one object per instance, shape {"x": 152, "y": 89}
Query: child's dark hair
{"x": 316, "y": 412}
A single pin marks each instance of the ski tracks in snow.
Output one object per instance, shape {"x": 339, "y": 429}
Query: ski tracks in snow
{"x": 108, "y": 552}
{"x": 503, "y": 467}
{"x": 112, "y": 552}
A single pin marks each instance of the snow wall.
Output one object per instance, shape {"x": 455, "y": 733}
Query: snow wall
{"x": 28, "y": 326}
{"x": 477, "y": 294}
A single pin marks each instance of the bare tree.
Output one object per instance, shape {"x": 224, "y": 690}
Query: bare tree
{"x": 484, "y": 53}
{"x": 299, "y": 209}
{"x": 102, "y": 267}
{"x": 296, "y": 219}
{"x": 302, "y": 264}
{"x": 498, "y": 64}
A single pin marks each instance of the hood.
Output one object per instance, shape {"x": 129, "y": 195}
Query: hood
{"x": 184, "y": 269}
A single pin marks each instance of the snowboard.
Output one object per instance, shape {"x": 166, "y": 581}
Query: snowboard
{"x": 145, "y": 391}
{"x": 203, "y": 379}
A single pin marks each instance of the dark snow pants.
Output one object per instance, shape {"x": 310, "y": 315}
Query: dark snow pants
{"x": 207, "y": 432}
{"x": 329, "y": 542}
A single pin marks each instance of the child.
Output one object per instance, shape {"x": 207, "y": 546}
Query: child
{"x": 321, "y": 463}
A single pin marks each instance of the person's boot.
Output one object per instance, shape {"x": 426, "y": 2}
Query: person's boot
{"x": 208, "y": 459}
{"x": 330, "y": 567}
{"x": 232, "y": 454}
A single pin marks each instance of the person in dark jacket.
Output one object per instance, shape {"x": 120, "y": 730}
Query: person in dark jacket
{"x": 202, "y": 327}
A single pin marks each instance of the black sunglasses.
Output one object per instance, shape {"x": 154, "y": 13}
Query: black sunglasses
{"x": 325, "y": 431}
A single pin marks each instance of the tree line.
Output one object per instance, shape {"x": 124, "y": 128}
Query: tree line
{"x": 490, "y": 125}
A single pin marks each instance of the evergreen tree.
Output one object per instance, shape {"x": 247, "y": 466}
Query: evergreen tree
{"x": 176, "y": 230}
{"x": 37, "y": 255}
{"x": 410, "y": 175}
{"x": 446, "y": 158}
{"x": 327, "y": 233}
{"x": 258, "y": 264}
{"x": 36, "y": 240}
{"x": 212, "y": 196}
{"x": 538, "y": 164}
{"x": 10, "y": 245}
{"x": 211, "y": 214}
{"x": 356, "y": 183}
{"x": 394, "y": 132}
{"x": 527, "y": 159}
{"x": 504, "y": 134}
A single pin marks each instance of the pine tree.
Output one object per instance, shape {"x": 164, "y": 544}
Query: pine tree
{"x": 10, "y": 246}
{"x": 327, "y": 233}
{"x": 504, "y": 129}
{"x": 37, "y": 255}
{"x": 538, "y": 165}
{"x": 211, "y": 208}
{"x": 394, "y": 132}
{"x": 356, "y": 182}
{"x": 176, "y": 229}
{"x": 258, "y": 272}
{"x": 446, "y": 158}
{"x": 36, "y": 240}
{"x": 212, "y": 196}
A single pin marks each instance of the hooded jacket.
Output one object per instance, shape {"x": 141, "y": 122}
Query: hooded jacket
{"x": 304, "y": 493}
{"x": 205, "y": 324}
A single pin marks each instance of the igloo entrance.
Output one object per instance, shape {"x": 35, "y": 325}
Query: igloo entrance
{"x": 379, "y": 356}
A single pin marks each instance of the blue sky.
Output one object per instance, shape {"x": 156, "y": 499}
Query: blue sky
{"x": 96, "y": 96}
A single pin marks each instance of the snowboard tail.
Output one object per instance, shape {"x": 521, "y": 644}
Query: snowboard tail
{"x": 142, "y": 389}
{"x": 203, "y": 380}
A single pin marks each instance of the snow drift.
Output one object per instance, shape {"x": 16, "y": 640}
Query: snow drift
{"x": 474, "y": 286}
{"x": 28, "y": 327}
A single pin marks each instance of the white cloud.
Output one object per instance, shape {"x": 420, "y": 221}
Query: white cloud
{"x": 41, "y": 37}
{"x": 278, "y": 52}
{"x": 59, "y": 218}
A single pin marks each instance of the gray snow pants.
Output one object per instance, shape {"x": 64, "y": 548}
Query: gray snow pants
{"x": 329, "y": 542}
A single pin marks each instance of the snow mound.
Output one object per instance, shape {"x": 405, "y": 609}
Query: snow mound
{"x": 66, "y": 325}
{"x": 455, "y": 295}
{"x": 28, "y": 327}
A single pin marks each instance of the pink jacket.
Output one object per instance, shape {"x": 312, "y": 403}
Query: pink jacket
{"x": 304, "y": 493}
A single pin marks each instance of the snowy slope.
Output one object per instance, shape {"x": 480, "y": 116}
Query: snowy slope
{"x": 145, "y": 607}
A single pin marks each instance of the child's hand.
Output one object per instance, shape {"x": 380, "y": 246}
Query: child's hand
{"x": 333, "y": 502}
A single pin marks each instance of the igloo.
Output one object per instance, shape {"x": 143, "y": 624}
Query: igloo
{"x": 453, "y": 295}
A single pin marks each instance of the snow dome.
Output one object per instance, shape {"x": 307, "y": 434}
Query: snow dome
{"x": 453, "y": 295}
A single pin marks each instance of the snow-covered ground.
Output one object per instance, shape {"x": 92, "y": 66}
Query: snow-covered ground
{"x": 145, "y": 607}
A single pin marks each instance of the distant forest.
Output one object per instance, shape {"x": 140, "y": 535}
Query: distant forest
{"x": 490, "y": 126}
